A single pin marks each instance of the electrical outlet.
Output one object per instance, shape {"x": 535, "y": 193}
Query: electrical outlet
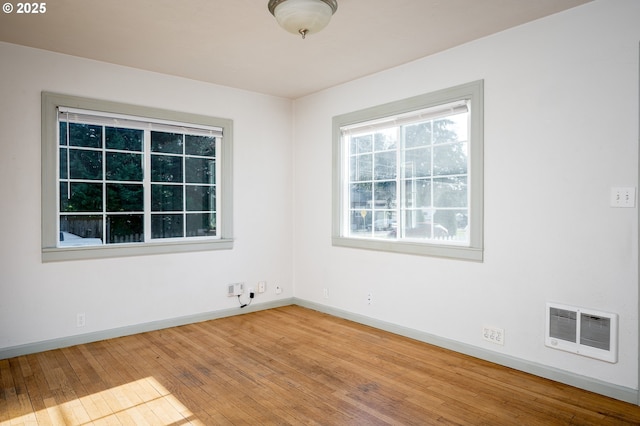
{"x": 325, "y": 293}
{"x": 623, "y": 197}
{"x": 262, "y": 286}
{"x": 493, "y": 335}
{"x": 80, "y": 320}
{"x": 278, "y": 289}
{"x": 369, "y": 298}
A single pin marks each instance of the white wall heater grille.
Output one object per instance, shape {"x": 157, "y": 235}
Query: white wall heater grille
{"x": 582, "y": 331}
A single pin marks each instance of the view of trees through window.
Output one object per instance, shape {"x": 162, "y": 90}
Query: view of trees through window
{"x": 410, "y": 181}
{"x": 128, "y": 185}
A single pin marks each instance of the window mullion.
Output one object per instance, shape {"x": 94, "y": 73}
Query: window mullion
{"x": 217, "y": 192}
{"x": 432, "y": 191}
{"x": 184, "y": 187}
{"x": 372, "y": 200}
{"x": 104, "y": 187}
{"x": 68, "y": 163}
{"x": 400, "y": 181}
{"x": 345, "y": 190}
{"x": 146, "y": 184}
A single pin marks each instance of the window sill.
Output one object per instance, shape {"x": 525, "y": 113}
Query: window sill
{"x": 125, "y": 250}
{"x": 404, "y": 247}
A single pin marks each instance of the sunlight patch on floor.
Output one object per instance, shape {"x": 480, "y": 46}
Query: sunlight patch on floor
{"x": 143, "y": 401}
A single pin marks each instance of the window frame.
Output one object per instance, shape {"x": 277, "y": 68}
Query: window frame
{"x": 474, "y": 251}
{"x": 49, "y": 158}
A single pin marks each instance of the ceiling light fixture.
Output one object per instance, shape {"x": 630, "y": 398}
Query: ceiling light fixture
{"x": 303, "y": 16}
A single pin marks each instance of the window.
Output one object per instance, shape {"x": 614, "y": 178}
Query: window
{"x": 124, "y": 180}
{"x": 408, "y": 175}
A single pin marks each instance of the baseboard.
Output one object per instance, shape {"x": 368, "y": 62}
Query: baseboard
{"x": 593, "y": 385}
{"x": 582, "y": 382}
{"x": 79, "y": 339}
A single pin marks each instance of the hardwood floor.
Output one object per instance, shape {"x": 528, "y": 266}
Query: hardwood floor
{"x": 283, "y": 366}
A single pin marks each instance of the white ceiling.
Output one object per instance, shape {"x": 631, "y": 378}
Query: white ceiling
{"x": 238, "y": 43}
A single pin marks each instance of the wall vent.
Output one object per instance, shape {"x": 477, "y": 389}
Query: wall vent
{"x": 582, "y": 331}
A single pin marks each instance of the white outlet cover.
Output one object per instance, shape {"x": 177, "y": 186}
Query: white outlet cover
{"x": 623, "y": 196}
{"x": 493, "y": 335}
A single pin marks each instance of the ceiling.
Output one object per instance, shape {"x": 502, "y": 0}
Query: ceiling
{"x": 238, "y": 43}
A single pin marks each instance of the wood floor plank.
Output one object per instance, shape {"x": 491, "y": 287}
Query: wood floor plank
{"x": 284, "y": 366}
{"x": 148, "y": 363}
{"x": 9, "y": 406}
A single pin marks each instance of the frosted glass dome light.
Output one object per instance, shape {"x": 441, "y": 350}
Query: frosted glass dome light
{"x": 303, "y": 16}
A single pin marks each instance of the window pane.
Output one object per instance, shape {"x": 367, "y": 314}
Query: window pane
{"x": 386, "y": 139}
{"x": 123, "y": 139}
{"x": 167, "y": 226}
{"x": 127, "y": 228}
{"x": 412, "y": 218}
{"x": 450, "y": 159}
{"x": 361, "y": 144}
{"x": 62, "y": 126}
{"x": 201, "y": 198}
{"x": 361, "y": 196}
{"x": 80, "y": 230}
{"x": 419, "y": 224}
{"x": 200, "y": 170}
{"x": 385, "y": 195}
{"x": 353, "y": 168}
{"x": 417, "y": 163}
{"x": 450, "y": 192}
{"x": 125, "y": 198}
{"x": 201, "y": 224}
{"x": 385, "y": 165}
{"x": 166, "y": 198}
{"x": 165, "y": 168}
{"x": 127, "y": 167}
{"x": 461, "y": 126}
{"x": 362, "y": 167}
{"x": 85, "y": 135}
{"x": 417, "y": 135}
{"x": 80, "y": 197}
{"x": 384, "y": 221}
{"x": 455, "y": 221}
{"x": 204, "y": 146}
{"x": 168, "y": 143}
{"x": 85, "y": 164}
{"x": 64, "y": 163}
{"x": 361, "y": 221}
{"x": 417, "y": 193}
{"x": 444, "y": 131}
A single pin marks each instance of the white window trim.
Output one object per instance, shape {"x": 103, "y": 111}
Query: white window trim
{"x": 474, "y": 92}
{"x": 50, "y": 253}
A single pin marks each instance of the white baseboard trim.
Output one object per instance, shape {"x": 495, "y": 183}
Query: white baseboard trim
{"x": 607, "y": 389}
{"x": 587, "y": 383}
{"x": 79, "y": 339}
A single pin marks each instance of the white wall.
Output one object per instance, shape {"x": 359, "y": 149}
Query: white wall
{"x": 561, "y": 128}
{"x": 40, "y": 301}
